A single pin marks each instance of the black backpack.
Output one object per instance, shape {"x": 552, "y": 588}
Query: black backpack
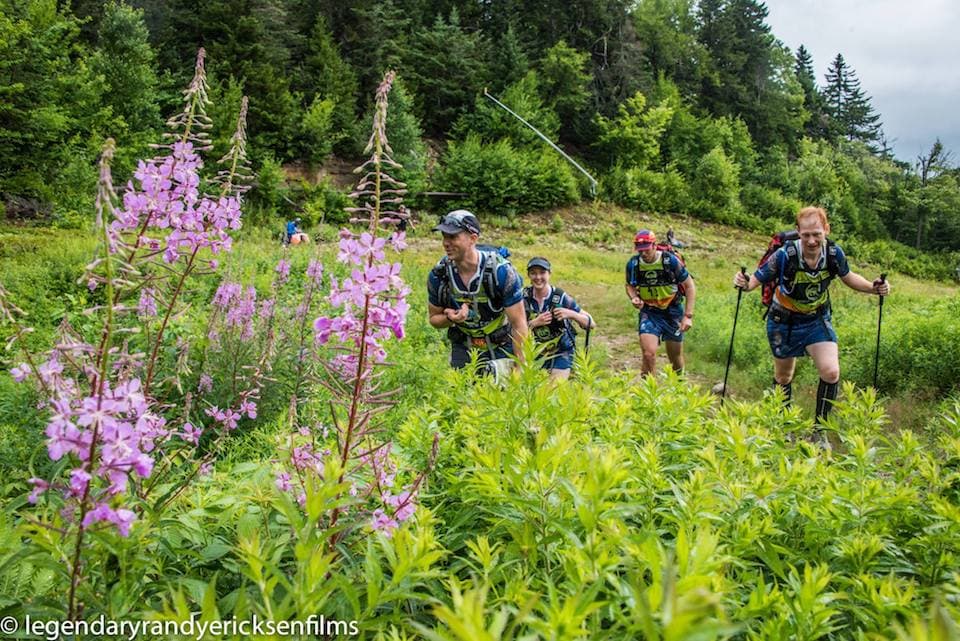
{"x": 488, "y": 278}
{"x": 556, "y": 328}
{"x": 786, "y": 238}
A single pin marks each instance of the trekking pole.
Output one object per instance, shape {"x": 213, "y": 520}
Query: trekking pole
{"x": 723, "y": 392}
{"x": 876, "y": 357}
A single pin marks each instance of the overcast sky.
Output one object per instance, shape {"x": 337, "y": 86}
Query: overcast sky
{"x": 906, "y": 54}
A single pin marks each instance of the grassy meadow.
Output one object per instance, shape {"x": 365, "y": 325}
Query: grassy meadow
{"x": 609, "y": 507}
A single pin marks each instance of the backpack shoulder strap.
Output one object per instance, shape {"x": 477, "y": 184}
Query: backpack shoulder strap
{"x": 833, "y": 264}
{"x": 491, "y": 264}
{"x": 556, "y": 298}
{"x": 792, "y": 264}
{"x": 665, "y": 261}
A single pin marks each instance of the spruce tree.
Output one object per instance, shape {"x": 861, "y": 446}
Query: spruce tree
{"x": 816, "y": 126}
{"x": 125, "y": 60}
{"x": 848, "y": 107}
{"x": 748, "y": 74}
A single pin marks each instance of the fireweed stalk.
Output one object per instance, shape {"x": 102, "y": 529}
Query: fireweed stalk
{"x": 373, "y": 309}
{"x": 107, "y": 419}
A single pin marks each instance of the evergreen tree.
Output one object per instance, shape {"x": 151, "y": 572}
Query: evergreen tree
{"x": 816, "y": 126}
{"x": 748, "y": 75}
{"x": 930, "y": 167}
{"x": 50, "y": 107}
{"x": 489, "y": 123}
{"x": 324, "y": 75}
{"x": 377, "y": 39}
{"x": 565, "y": 85}
{"x": 509, "y": 61}
{"x": 667, "y": 32}
{"x": 444, "y": 67}
{"x": 125, "y": 60}
{"x": 851, "y": 114}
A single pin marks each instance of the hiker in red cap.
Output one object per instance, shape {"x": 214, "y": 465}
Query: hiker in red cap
{"x": 660, "y": 287}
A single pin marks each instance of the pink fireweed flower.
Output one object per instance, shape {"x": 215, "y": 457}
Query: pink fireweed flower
{"x": 147, "y": 306}
{"x": 191, "y": 434}
{"x": 315, "y": 271}
{"x": 382, "y": 522}
{"x": 168, "y": 199}
{"x": 282, "y": 482}
{"x": 249, "y": 408}
{"x": 402, "y": 503}
{"x": 360, "y": 250}
{"x": 228, "y": 418}
{"x": 205, "y": 384}
{"x": 79, "y": 480}
{"x": 50, "y": 370}
{"x": 39, "y": 487}
{"x": 399, "y": 241}
{"x": 304, "y": 458}
{"x": 226, "y": 293}
{"x": 283, "y": 271}
{"x": 20, "y": 372}
{"x": 122, "y": 518}
{"x": 266, "y": 308}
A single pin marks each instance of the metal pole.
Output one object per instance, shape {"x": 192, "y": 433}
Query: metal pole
{"x": 876, "y": 357}
{"x": 723, "y": 392}
{"x": 593, "y": 181}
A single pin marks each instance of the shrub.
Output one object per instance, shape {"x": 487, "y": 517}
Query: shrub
{"x": 498, "y": 178}
{"x": 715, "y": 188}
{"x": 647, "y": 190}
{"x": 323, "y": 203}
{"x": 768, "y": 202}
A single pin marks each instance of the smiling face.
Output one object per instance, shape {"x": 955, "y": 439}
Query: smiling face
{"x": 813, "y": 234}
{"x": 539, "y": 277}
{"x": 459, "y": 246}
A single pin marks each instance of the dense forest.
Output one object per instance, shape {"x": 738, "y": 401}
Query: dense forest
{"x": 683, "y": 106}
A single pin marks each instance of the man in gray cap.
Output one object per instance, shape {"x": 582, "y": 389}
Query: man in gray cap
{"x": 476, "y": 295}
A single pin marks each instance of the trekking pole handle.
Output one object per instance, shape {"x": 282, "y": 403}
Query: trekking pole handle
{"x": 883, "y": 279}
{"x": 743, "y": 270}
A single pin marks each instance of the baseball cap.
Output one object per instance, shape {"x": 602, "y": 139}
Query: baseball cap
{"x": 540, "y": 262}
{"x": 458, "y": 221}
{"x": 645, "y": 239}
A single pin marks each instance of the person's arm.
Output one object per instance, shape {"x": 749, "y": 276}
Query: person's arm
{"x": 445, "y": 317}
{"x": 634, "y": 296}
{"x": 632, "y": 293}
{"x": 744, "y": 282}
{"x": 518, "y": 325}
{"x": 690, "y": 293}
{"x": 569, "y": 310}
{"x": 857, "y": 282}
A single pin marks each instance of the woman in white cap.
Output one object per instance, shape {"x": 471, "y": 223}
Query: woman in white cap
{"x": 550, "y": 311}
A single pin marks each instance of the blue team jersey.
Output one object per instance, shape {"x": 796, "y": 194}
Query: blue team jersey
{"x": 809, "y": 290}
{"x": 561, "y": 331}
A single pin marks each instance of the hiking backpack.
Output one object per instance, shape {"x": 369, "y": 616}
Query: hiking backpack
{"x": 488, "y": 278}
{"x": 786, "y": 238}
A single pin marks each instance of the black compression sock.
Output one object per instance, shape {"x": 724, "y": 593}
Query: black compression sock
{"x": 826, "y": 395}
{"x": 787, "y": 392}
